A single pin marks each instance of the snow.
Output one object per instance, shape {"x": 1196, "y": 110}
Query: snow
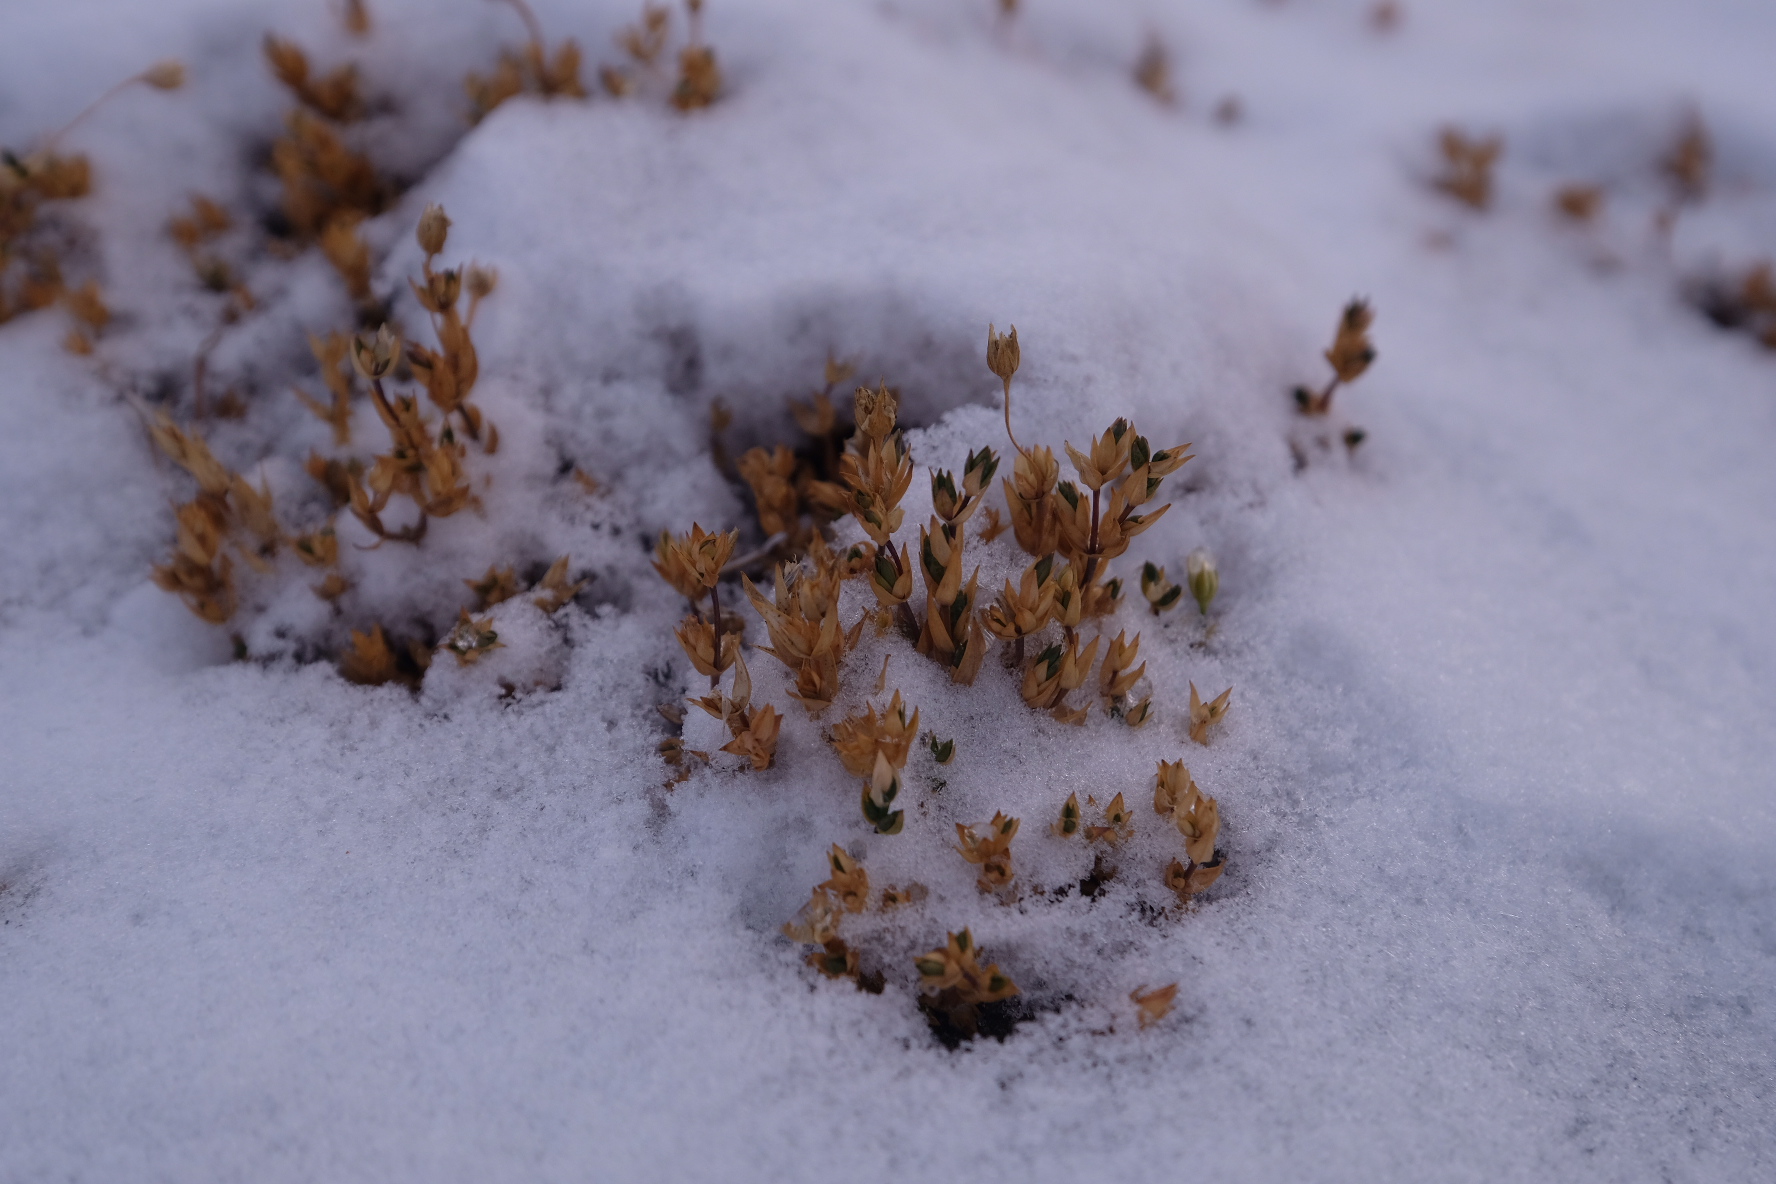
{"x": 1495, "y": 786}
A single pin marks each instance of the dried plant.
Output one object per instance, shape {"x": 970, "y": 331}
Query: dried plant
{"x": 1060, "y": 668}
{"x": 991, "y": 852}
{"x": 1153, "y": 71}
{"x": 1467, "y": 166}
{"x": 849, "y": 883}
{"x": 322, "y": 178}
{"x": 1023, "y": 612}
{"x": 1690, "y": 162}
{"x": 227, "y": 509}
{"x": 955, "y": 986}
{"x": 426, "y": 471}
{"x": 336, "y": 373}
{"x": 499, "y": 585}
{"x": 1197, "y": 816}
{"x": 556, "y": 588}
{"x": 699, "y": 80}
{"x": 1581, "y": 203}
{"x": 818, "y": 925}
{"x": 754, "y": 732}
{"x": 1153, "y": 1006}
{"x": 355, "y": 16}
{"x": 31, "y": 246}
{"x": 371, "y": 660}
{"x": 198, "y": 231}
{"x": 471, "y": 639}
{"x": 530, "y": 70}
{"x": 1349, "y": 355}
{"x": 349, "y": 254}
{"x": 950, "y": 633}
{"x": 449, "y": 372}
{"x": 1122, "y": 460}
{"x": 771, "y": 474}
{"x": 692, "y": 563}
{"x": 1203, "y": 716}
{"x": 1118, "y": 824}
{"x": 942, "y": 751}
{"x": 1190, "y": 879}
{"x": 859, "y": 739}
{"x": 334, "y": 95}
{"x": 803, "y": 623}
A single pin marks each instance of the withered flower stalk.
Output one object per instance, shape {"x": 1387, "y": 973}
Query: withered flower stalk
{"x": 1349, "y": 355}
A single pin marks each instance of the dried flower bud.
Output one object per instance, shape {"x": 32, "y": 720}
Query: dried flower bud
{"x": 481, "y": 281}
{"x": 434, "y": 228}
{"x": 443, "y": 287}
{"x": 1203, "y": 577}
{"x": 1352, "y": 351}
{"x": 1002, "y": 353}
{"x": 374, "y": 356}
{"x": 876, "y": 411}
{"x": 169, "y": 75}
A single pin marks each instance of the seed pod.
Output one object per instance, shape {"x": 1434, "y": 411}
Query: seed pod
{"x": 1002, "y": 353}
{"x": 434, "y": 228}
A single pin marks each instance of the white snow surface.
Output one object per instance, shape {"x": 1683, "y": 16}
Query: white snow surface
{"x": 1497, "y": 782}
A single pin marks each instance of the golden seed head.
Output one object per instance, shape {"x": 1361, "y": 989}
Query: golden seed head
{"x": 876, "y": 411}
{"x": 1002, "y": 352}
{"x": 374, "y": 356}
{"x": 434, "y": 228}
{"x": 168, "y": 75}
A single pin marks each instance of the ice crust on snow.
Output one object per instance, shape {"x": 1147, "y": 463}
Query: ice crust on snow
{"x": 1496, "y": 787}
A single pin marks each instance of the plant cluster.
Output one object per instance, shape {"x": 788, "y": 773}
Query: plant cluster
{"x": 34, "y": 185}
{"x": 533, "y": 69}
{"x": 1467, "y": 166}
{"x": 1072, "y": 530}
{"x": 698, "y": 82}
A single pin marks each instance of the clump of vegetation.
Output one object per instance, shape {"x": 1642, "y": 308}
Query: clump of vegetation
{"x": 699, "y": 80}
{"x": 957, "y": 989}
{"x": 1467, "y": 166}
{"x": 34, "y": 186}
{"x": 533, "y": 69}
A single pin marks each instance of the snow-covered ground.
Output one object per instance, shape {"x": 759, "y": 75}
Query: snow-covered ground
{"x": 1496, "y": 786}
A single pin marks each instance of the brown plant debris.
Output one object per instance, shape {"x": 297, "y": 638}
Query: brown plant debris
{"x": 371, "y": 660}
{"x": 1467, "y": 166}
{"x": 1581, "y": 203}
{"x": 1153, "y": 1006}
{"x": 533, "y": 69}
{"x": 754, "y": 731}
{"x": 1204, "y": 716}
{"x": 991, "y": 852}
{"x": 1153, "y": 71}
{"x": 1350, "y": 354}
{"x": 956, "y": 987}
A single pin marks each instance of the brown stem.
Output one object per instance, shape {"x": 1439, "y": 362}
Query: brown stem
{"x": 1008, "y": 432}
{"x": 1324, "y": 402}
{"x": 715, "y": 597}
